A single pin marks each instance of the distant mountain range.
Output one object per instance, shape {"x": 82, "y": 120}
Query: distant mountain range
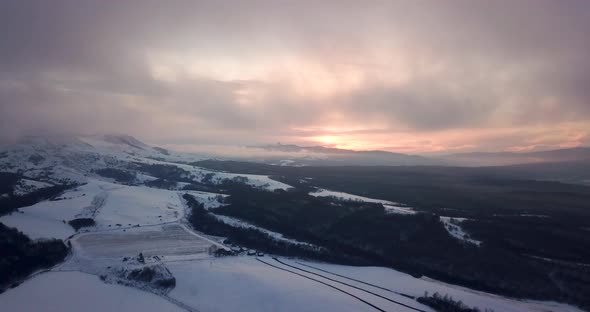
{"x": 294, "y": 155}
{"x": 577, "y": 154}
{"x": 328, "y": 156}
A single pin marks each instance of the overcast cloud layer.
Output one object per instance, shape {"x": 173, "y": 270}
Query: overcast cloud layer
{"x": 406, "y": 76}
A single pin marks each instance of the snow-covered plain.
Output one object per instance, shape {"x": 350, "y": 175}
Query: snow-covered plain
{"x": 165, "y": 240}
{"x": 407, "y": 284}
{"x": 46, "y": 219}
{"x": 131, "y": 205}
{"x": 76, "y": 291}
{"x": 246, "y": 284}
{"x": 111, "y": 205}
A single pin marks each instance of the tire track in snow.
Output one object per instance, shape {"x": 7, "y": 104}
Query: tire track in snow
{"x": 326, "y": 284}
{"x": 356, "y": 280}
{"x": 352, "y": 286}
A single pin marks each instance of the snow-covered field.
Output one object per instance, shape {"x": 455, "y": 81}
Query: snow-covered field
{"x": 111, "y": 205}
{"x": 246, "y": 284}
{"x": 45, "y": 219}
{"x": 131, "y": 205}
{"x": 164, "y": 240}
{"x": 407, "y": 284}
{"x": 76, "y": 291}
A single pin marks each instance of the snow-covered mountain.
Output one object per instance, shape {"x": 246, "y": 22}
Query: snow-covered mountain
{"x": 140, "y": 236}
{"x": 74, "y": 157}
{"x": 57, "y": 159}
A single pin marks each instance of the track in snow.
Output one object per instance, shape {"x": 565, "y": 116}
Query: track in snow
{"x": 349, "y": 285}
{"x": 355, "y": 280}
{"x": 324, "y": 283}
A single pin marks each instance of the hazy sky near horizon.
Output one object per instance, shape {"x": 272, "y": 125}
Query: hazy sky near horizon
{"x": 405, "y": 76}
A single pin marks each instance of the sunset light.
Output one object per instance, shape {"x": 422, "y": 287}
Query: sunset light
{"x": 295, "y": 155}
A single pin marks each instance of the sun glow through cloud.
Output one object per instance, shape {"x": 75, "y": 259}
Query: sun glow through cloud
{"x": 364, "y": 76}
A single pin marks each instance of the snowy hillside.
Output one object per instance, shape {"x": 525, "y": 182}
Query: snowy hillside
{"x": 77, "y": 158}
{"x": 124, "y": 217}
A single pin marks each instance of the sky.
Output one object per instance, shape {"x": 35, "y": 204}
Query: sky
{"x": 417, "y": 77}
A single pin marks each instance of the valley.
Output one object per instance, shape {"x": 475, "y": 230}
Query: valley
{"x": 184, "y": 243}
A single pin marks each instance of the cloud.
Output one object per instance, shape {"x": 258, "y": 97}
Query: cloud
{"x": 399, "y": 75}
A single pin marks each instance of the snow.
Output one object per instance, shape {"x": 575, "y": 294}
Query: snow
{"x": 204, "y": 283}
{"x": 452, "y": 225}
{"x": 209, "y": 200}
{"x": 45, "y": 219}
{"x": 138, "y": 205}
{"x": 75, "y": 291}
{"x": 397, "y": 281}
{"x": 199, "y": 174}
{"x": 398, "y": 209}
{"x": 76, "y": 158}
{"x": 347, "y": 196}
{"x": 26, "y": 186}
{"x": 255, "y": 180}
{"x": 143, "y": 178}
{"x": 164, "y": 240}
{"x": 390, "y": 207}
{"x": 35, "y": 226}
{"x": 235, "y": 222}
{"x": 108, "y": 203}
{"x": 244, "y": 284}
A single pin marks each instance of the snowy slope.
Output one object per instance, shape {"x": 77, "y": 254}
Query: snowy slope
{"x": 235, "y": 222}
{"x": 390, "y": 207}
{"x": 75, "y": 158}
{"x": 453, "y": 226}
